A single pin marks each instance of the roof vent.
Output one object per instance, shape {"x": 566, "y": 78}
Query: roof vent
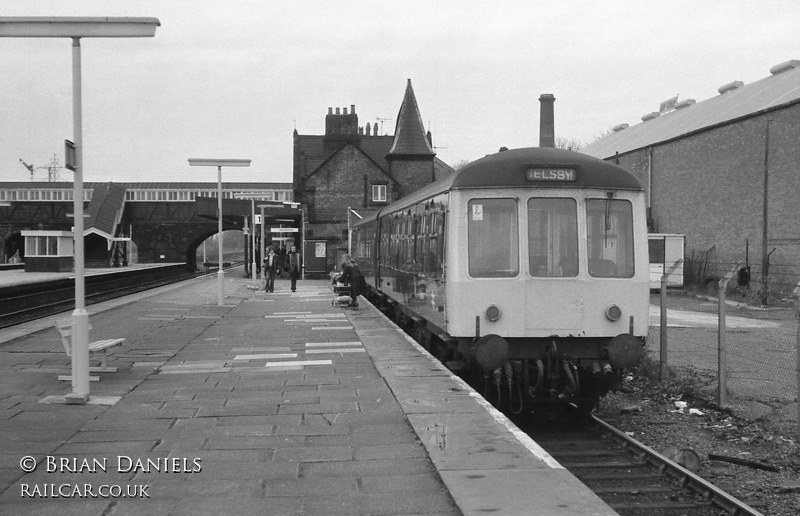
{"x": 730, "y": 87}
{"x": 785, "y": 66}
{"x": 619, "y": 127}
{"x": 685, "y": 103}
{"x": 650, "y": 116}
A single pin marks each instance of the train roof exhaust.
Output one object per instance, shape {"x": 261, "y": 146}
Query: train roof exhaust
{"x": 547, "y": 125}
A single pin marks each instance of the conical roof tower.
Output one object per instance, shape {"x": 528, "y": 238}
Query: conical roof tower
{"x": 411, "y": 157}
{"x": 410, "y": 138}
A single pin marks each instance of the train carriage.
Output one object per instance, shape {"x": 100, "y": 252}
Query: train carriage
{"x": 528, "y": 267}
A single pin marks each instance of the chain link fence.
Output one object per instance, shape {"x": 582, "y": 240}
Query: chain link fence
{"x": 751, "y": 357}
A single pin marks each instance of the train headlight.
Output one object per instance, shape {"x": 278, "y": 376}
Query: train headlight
{"x": 493, "y": 313}
{"x": 613, "y": 313}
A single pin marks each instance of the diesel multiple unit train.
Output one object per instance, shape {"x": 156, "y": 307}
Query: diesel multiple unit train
{"x": 526, "y": 270}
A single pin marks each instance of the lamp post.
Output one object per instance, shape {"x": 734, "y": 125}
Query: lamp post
{"x": 77, "y": 28}
{"x": 219, "y": 163}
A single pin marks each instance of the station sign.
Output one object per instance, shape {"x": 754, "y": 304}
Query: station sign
{"x": 283, "y": 230}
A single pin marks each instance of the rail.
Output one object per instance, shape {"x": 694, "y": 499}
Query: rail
{"x": 686, "y": 478}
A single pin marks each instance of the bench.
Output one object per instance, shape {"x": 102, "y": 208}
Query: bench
{"x": 97, "y": 348}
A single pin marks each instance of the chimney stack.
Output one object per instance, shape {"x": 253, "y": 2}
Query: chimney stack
{"x": 547, "y": 124}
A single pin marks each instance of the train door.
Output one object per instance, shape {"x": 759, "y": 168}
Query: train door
{"x": 553, "y": 264}
{"x": 315, "y": 254}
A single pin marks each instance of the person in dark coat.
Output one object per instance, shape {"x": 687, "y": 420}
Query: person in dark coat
{"x": 270, "y": 265}
{"x": 294, "y": 266}
{"x": 352, "y": 274}
{"x": 281, "y": 260}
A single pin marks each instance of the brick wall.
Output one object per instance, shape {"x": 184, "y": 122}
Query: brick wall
{"x": 710, "y": 187}
{"x": 411, "y": 174}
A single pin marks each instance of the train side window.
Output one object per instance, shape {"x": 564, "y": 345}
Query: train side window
{"x": 609, "y": 228}
{"x": 493, "y": 238}
{"x": 553, "y": 237}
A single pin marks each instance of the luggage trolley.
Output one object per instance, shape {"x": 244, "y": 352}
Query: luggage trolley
{"x": 341, "y": 291}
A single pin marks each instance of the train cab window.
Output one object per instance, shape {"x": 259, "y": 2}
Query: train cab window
{"x": 609, "y": 228}
{"x": 553, "y": 237}
{"x": 493, "y": 238}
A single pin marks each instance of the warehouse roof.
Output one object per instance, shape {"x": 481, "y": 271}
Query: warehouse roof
{"x": 735, "y": 100}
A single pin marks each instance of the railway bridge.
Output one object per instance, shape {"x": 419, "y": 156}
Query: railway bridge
{"x": 148, "y": 222}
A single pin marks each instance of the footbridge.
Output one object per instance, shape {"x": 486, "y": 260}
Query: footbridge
{"x": 144, "y": 222}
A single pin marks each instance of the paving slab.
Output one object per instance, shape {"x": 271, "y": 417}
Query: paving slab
{"x": 275, "y": 403}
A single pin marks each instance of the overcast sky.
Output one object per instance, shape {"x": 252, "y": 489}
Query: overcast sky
{"x": 234, "y": 78}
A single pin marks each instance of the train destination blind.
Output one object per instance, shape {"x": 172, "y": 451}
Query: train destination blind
{"x": 550, "y": 174}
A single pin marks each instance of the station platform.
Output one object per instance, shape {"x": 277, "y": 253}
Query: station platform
{"x": 275, "y": 403}
{"x": 12, "y": 277}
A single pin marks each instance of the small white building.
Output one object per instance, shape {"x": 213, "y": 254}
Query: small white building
{"x": 49, "y": 251}
{"x": 665, "y": 249}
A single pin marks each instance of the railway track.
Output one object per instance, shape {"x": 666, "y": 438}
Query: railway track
{"x": 632, "y": 478}
{"x": 32, "y": 301}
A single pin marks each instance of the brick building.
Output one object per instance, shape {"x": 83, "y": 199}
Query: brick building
{"x": 353, "y": 166}
{"x": 726, "y": 173}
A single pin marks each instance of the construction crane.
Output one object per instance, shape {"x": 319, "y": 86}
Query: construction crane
{"x": 52, "y": 170}
{"x": 29, "y": 167}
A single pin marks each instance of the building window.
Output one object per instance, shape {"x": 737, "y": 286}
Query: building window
{"x": 378, "y": 193}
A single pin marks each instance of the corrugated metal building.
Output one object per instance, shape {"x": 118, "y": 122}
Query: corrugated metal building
{"x": 725, "y": 172}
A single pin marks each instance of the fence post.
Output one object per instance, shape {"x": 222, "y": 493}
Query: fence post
{"x": 662, "y": 372}
{"x": 722, "y": 356}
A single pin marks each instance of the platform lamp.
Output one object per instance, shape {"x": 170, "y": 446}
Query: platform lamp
{"x": 219, "y": 163}
{"x": 76, "y": 28}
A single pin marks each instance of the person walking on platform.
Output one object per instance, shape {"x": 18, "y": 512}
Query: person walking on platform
{"x": 352, "y": 274}
{"x": 270, "y": 264}
{"x": 294, "y": 266}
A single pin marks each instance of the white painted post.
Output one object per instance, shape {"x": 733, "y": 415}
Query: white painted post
{"x": 80, "y": 317}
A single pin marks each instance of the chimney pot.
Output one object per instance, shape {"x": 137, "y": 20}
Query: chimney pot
{"x": 330, "y": 110}
{"x": 337, "y": 111}
{"x": 352, "y": 109}
{"x": 344, "y": 111}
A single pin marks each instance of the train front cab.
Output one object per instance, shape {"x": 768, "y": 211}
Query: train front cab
{"x": 548, "y": 288}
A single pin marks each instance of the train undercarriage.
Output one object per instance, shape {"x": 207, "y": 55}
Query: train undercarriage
{"x": 528, "y": 374}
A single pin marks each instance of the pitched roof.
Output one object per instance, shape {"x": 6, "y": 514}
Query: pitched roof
{"x": 735, "y": 101}
{"x": 409, "y": 133}
{"x": 320, "y": 165}
{"x": 313, "y": 148}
